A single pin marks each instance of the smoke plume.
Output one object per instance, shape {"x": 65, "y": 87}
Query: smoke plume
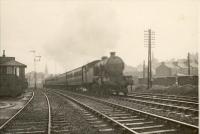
{"x": 87, "y": 34}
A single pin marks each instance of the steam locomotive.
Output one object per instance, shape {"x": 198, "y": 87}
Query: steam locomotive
{"x": 103, "y": 76}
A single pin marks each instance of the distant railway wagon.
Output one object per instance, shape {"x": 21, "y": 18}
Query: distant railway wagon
{"x": 99, "y": 76}
{"x": 183, "y": 80}
{"x": 167, "y": 81}
{"x": 12, "y": 76}
{"x": 56, "y": 82}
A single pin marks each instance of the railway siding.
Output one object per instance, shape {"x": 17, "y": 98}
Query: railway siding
{"x": 113, "y": 110}
{"x": 68, "y": 117}
{"x": 165, "y": 96}
{"x": 10, "y": 106}
{"x": 6, "y": 122}
{"x": 171, "y": 108}
{"x": 32, "y": 118}
{"x": 185, "y": 109}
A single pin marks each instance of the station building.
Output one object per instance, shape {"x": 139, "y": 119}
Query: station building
{"x": 12, "y": 76}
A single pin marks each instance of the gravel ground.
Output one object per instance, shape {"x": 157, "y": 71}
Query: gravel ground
{"x": 14, "y": 104}
{"x": 73, "y": 114}
{"x": 180, "y": 117}
{"x": 186, "y": 90}
{"x": 33, "y": 114}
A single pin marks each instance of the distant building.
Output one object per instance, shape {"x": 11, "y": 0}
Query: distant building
{"x": 129, "y": 70}
{"x": 12, "y": 76}
{"x": 164, "y": 70}
{"x": 176, "y": 69}
{"x": 194, "y": 68}
{"x": 31, "y": 79}
{"x": 168, "y": 68}
{"x": 183, "y": 70}
{"x": 8, "y": 65}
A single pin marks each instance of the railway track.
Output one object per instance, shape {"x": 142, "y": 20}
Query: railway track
{"x": 7, "y": 122}
{"x": 185, "y": 103}
{"x": 96, "y": 125}
{"x": 187, "y": 108}
{"x": 32, "y": 118}
{"x": 45, "y": 114}
{"x": 163, "y": 96}
{"x": 181, "y": 113}
{"x": 129, "y": 120}
{"x": 58, "y": 122}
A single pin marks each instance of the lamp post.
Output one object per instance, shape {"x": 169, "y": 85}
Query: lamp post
{"x": 35, "y": 59}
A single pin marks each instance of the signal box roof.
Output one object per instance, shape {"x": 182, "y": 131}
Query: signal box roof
{"x": 13, "y": 63}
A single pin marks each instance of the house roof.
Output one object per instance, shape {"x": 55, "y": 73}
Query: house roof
{"x": 171, "y": 65}
{"x": 13, "y": 63}
{"x": 6, "y": 59}
{"x": 182, "y": 65}
{"x": 195, "y": 65}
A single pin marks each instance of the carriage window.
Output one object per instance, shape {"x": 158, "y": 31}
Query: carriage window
{"x": 9, "y": 70}
{"x": 17, "y": 71}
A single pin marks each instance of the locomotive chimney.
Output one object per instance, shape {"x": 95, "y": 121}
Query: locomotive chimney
{"x": 112, "y": 54}
{"x": 4, "y": 53}
{"x": 104, "y": 57}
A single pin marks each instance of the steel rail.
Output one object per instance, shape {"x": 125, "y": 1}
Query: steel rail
{"x": 164, "y": 119}
{"x": 124, "y": 128}
{"x": 159, "y": 104}
{"x": 49, "y": 113}
{"x": 19, "y": 111}
{"x": 163, "y": 99}
{"x": 165, "y": 96}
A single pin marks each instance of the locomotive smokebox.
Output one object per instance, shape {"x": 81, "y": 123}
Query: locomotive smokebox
{"x": 112, "y": 54}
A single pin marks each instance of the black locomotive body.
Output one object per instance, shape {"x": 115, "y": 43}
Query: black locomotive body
{"x": 99, "y": 76}
{"x": 12, "y": 77}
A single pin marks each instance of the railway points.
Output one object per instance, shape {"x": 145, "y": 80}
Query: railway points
{"x": 67, "y": 117}
{"x": 108, "y": 108}
{"x": 12, "y": 106}
{"x": 33, "y": 117}
{"x": 165, "y": 96}
{"x": 110, "y": 67}
{"x": 181, "y": 113}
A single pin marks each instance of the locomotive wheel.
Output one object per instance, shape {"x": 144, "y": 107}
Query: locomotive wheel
{"x": 125, "y": 93}
{"x": 95, "y": 90}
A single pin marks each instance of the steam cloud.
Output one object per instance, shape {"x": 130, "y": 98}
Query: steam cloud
{"x": 87, "y": 34}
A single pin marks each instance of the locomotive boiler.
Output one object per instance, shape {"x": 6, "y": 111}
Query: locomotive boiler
{"x": 100, "y": 77}
{"x": 109, "y": 74}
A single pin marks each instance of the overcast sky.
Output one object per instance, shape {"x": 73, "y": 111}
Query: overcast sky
{"x": 70, "y": 33}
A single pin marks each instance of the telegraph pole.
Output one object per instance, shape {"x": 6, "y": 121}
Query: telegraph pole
{"x": 188, "y": 57}
{"x": 149, "y": 37}
{"x": 34, "y": 67}
{"x": 144, "y": 69}
{"x": 149, "y": 61}
{"x": 35, "y": 74}
{"x": 35, "y": 59}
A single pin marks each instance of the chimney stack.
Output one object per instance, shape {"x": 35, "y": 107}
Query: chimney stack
{"x": 112, "y": 54}
{"x": 4, "y": 53}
